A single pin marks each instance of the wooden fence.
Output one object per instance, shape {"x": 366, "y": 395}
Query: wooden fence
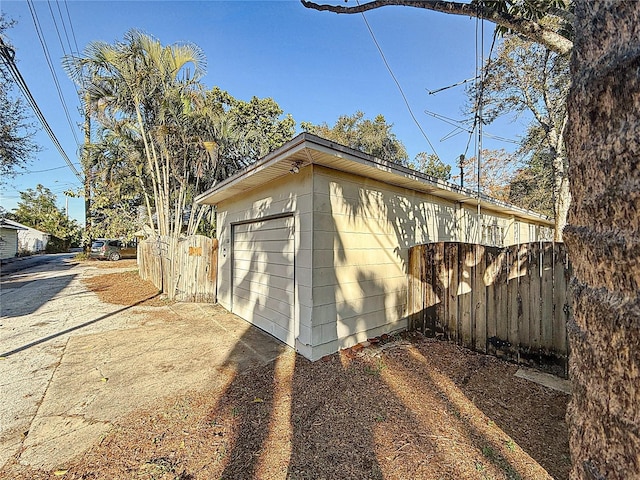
{"x": 184, "y": 269}
{"x": 510, "y": 302}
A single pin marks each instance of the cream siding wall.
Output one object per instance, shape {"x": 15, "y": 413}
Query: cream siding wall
{"x": 289, "y": 194}
{"x": 352, "y": 237}
{"x": 362, "y": 231}
{"x": 32, "y": 240}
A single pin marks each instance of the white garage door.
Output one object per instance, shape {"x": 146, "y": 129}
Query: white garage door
{"x": 263, "y": 275}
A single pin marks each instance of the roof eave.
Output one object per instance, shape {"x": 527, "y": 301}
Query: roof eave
{"x": 387, "y": 172}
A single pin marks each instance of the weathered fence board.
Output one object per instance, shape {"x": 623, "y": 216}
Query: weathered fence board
{"x": 511, "y": 302}
{"x": 184, "y": 269}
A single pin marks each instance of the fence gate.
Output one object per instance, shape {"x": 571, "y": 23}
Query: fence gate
{"x": 185, "y": 269}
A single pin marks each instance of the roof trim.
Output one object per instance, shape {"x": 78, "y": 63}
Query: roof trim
{"x": 12, "y": 224}
{"x": 377, "y": 169}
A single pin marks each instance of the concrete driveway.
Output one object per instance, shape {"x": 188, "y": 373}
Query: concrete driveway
{"x": 71, "y": 366}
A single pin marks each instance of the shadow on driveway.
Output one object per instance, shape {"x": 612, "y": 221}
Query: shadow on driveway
{"x": 16, "y": 304}
{"x": 104, "y": 376}
{"x": 72, "y": 329}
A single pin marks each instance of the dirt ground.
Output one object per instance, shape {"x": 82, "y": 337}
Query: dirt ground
{"x": 404, "y": 407}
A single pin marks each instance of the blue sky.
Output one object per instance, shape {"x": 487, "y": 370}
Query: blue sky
{"x": 316, "y": 65}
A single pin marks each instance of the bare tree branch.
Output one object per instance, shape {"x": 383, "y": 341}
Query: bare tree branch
{"x": 528, "y": 28}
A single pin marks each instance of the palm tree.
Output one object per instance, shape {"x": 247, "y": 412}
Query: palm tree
{"x": 145, "y": 86}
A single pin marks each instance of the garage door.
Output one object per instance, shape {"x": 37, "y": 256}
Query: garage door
{"x": 263, "y": 275}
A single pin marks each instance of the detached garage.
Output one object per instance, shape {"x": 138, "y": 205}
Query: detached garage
{"x": 314, "y": 240}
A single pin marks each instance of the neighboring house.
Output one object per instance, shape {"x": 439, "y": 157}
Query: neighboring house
{"x": 8, "y": 239}
{"x": 30, "y": 239}
{"x": 314, "y": 240}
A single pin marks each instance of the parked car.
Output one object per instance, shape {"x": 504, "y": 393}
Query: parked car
{"x": 113, "y": 249}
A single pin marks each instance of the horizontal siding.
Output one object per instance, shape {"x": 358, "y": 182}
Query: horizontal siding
{"x": 349, "y": 274}
{"x": 286, "y": 195}
{"x": 367, "y": 320}
{"x": 8, "y": 243}
{"x": 359, "y": 281}
{"x": 362, "y": 258}
{"x": 356, "y": 290}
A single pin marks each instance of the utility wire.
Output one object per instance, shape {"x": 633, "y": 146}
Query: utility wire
{"x": 481, "y": 77}
{"x": 55, "y": 25}
{"x": 404, "y": 97}
{"x": 47, "y": 56}
{"x": 7, "y": 55}
{"x": 29, "y": 172}
{"x": 64, "y": 27}
{"x": 73, "y": 33}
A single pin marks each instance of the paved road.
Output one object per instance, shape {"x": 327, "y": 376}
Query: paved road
{"x": 42, "y": 304}
{"x": 67, "y": 371}
{"x": 14, "y": 265}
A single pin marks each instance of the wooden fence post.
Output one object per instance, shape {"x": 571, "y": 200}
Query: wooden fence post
{"x": 511, "y": 301}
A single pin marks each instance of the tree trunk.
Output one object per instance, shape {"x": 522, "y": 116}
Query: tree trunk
{"x": 604, "y": 241}
{"x": 561, "y": 192}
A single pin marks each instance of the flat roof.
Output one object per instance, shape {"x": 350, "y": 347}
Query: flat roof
{"x": 307, "y": 149}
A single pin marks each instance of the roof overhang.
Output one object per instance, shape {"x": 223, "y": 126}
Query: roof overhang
{"x": 306, "y": 149}
{"x": 11, "y": 225}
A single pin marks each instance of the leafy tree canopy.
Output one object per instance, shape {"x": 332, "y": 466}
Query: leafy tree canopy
{"x": 37, "y": 209}
{"x": 16, "y": 130}
{"x": 369, "y": 136}
{"x": 431, "y": 165}
{"x": 154, "y": 117}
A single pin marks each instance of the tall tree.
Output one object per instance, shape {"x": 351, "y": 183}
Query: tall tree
{"x": 37, "y": 209}
{"x": 369, "y": 136}
{"x": 431, "y": 164}
{"x": 143, "y": 86}
{"x": 16, "y": 130}
{"x": 526, "y": 76}
{"x": 603, "y": 241}
{"x": 160, "y": 126}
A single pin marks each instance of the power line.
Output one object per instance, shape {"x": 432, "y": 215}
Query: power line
{"x": 404, "y": 97}
{"x": 73, "y": 33}
{"x": 28, "y": 172}
{"x": 47, "y": 56}
{"x": 64, "y": 26}
{"x": 7, "y": 54}
{"x": 55, "y": 25}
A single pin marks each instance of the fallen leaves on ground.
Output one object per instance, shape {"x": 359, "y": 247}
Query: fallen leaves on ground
{"x": 412, "y": 408}
{"x": 125, "y": 288}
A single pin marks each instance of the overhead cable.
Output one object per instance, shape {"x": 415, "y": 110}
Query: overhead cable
{"x": 7, "y": 55}
{"x": 73, "y": 33}
{"x": 47, "y": 56}
{"x": 404, "y": 97}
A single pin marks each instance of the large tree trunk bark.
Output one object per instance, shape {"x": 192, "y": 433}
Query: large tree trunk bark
{"x": 562, "y": 195}
{"x": 603, "y": 238}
